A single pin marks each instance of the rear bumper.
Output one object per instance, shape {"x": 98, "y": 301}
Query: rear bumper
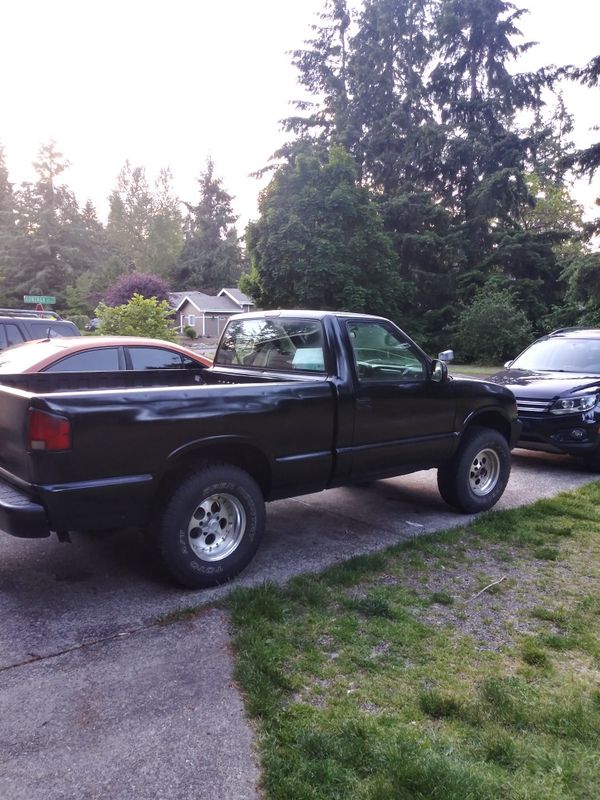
{"x": 20, "y": 515}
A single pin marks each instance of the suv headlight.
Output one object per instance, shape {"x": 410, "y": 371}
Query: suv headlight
{"x": 575, "y": 404}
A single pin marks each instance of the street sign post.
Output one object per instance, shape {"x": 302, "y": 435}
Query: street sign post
{"x": 46, "y": 300}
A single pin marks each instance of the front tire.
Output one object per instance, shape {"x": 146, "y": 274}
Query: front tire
{"x": 475, "y": 479}
{"x": 210, "y": 527}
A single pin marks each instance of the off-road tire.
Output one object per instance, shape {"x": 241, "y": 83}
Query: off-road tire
{"x": 475, "y": 479}
{"x": 210, "y": 526}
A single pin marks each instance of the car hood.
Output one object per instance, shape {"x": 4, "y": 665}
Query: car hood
{"x": 545, "y": 385}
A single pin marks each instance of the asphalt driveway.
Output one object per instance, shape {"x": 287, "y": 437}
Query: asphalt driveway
{"x": 103, "y": 693}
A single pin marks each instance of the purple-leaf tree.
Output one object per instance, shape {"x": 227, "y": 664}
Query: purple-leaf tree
{"x": 136, "y": 283}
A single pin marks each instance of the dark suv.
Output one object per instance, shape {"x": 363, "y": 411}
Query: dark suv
{"x": 556, "y": 382}
{"x": 18, "y": 326}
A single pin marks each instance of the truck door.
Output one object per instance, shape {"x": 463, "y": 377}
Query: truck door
{"x": 402, "y": 418}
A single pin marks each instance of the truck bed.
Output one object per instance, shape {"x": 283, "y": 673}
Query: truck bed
{"x": 48, "y": 382}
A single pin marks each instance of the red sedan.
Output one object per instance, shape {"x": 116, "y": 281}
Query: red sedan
{"x": 98, "y": 354}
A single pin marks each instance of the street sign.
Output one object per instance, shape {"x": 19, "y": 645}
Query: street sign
{"x": 44, "y": 299}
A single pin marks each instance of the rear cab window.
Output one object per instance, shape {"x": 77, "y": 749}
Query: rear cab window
{"x": 281, "y": 344}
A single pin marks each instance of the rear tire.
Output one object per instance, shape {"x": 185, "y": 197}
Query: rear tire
{"x": 475, "y": 479}
{"x": 210, "y": 527}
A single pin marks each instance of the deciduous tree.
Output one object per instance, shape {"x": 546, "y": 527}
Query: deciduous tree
{"x": 319, "y": 241}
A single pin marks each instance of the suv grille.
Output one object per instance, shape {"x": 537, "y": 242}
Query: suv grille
{"x": 527, "y": 406}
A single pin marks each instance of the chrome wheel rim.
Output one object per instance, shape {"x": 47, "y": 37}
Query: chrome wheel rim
{"x": 216, "y": 527}
{"x": 484, "y": 472}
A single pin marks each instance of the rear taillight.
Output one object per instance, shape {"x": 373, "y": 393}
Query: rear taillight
{"x": 48, "y": 431}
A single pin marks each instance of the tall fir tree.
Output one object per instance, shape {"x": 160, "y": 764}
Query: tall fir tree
{"x": 211, "y": 257}
{"x": 51, "y": 253}
{"x": 8, "y": 228}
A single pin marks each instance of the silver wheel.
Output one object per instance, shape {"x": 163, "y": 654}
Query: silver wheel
{"x": 484, "y": 472}
{"x": 216, "y": 527}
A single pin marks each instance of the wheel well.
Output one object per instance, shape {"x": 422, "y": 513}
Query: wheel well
{"x": 246, "y": 457}
{"x": 489, "y": 419}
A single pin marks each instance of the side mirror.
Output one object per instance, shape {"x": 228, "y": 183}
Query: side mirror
{"x": 446, "y": 355}
{"x": 507, "y": 364}
{"x": 439, "y": 371}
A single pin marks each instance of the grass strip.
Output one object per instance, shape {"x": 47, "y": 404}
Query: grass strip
{"x": 459, "y": 666}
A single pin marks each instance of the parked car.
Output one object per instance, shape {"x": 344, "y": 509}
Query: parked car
{"x": 98, "y": 354}
{"x": 556, "y": 382}
{"x": 18, "y": 326}
{"x": 296, "y": 402}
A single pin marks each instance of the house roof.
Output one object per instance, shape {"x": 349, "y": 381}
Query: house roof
{"x": 224, "y": 302}
{"x": 238, "y": 297}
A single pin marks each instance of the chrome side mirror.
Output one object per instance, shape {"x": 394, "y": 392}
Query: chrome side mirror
{"x": 439, "y": 371}
{"x": 446, "y": 355}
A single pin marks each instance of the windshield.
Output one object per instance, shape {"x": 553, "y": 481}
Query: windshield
{"x": 561, "y": 355}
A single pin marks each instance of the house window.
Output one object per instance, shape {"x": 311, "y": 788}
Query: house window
{"x": 191, "y": 320}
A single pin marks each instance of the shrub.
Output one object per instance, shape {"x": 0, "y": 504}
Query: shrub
{"x": 81, "y": 320}
{"x": 141, "y": 316}
{"x": 189, "y": 331}
{"x": 491, "y": 329}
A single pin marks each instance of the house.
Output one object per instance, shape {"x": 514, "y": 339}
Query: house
{"x": 206, "y": 313}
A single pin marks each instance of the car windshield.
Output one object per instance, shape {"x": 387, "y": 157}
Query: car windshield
{"x": 23, "y": 356}
{"x": 561, "y": 355}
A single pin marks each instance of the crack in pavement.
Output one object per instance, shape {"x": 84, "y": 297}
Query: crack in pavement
{"x": 160, "y": 623}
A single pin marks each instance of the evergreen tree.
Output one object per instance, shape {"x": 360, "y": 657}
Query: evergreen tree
{"x": 323, "y": 71}
{"x": 211, "y": 257}
{"x": 486, "y": 158}
{"x": 551, "y": 143}
{"x": 588, "y": 159}
{"x": 401, "y": 147}
{"x": 50, "y": 243}
{"x": 400, "y": 141}
{"x": 8, "y": 229}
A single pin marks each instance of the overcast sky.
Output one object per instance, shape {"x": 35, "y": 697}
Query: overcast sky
{"x": 170, "y": 83}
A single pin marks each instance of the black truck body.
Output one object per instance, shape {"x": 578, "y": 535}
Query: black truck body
{"x": 191, "y": 457}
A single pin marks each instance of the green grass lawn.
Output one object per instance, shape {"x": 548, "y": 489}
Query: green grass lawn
{"x": 475, "y": 370}
{"x": 461, "y": 666}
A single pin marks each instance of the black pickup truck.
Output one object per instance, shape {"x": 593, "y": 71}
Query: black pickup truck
{"x": 295, "y": 402}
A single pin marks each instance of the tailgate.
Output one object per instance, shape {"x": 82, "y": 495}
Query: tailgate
{"x": 14, "y": 458}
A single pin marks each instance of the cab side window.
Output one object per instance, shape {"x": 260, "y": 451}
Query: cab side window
{"x": 383, "y": 354}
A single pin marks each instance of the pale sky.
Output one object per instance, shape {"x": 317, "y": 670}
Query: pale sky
{"x": 170, "y": 83}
